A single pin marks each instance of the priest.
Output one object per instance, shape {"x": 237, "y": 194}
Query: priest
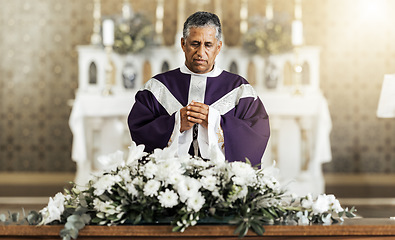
{"x": 198, "y": 108}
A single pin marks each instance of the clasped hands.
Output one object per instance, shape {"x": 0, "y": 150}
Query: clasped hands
{"x": 195, "y": 112}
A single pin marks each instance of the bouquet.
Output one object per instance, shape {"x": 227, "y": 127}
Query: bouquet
{"x": 133, "y": 34}
{"x": 267, "y": 37}
{"x": 183, "y": 191}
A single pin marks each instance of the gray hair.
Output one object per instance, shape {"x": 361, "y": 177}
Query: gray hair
{"x": 202, "y": 19}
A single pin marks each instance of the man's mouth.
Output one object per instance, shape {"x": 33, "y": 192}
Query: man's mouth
{"x": 200, "y": 61}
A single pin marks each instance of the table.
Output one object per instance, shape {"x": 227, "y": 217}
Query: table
{"x": 362, "y": 228}
{"x": 99, "y": 126}
{"x": 300, "y": 138}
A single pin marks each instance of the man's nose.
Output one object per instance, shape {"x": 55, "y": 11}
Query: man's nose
{"x": 200, "y": 50}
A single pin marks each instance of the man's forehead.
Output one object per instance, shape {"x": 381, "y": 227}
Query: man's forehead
{"x": 196, "y": 32}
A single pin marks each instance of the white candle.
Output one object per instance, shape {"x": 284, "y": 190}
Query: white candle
{"x": 108, "y": 32}
{"x": 297, "y": 32}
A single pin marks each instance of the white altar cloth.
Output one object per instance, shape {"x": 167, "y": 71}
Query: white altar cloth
{"x": 300, "y": 136}
{"x": 94, "y": 106}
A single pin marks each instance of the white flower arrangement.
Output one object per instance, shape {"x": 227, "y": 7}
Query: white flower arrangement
{"x": 267, "y": 37}
{"x": 133, "y": 35}
{"x": 184, "y": 191}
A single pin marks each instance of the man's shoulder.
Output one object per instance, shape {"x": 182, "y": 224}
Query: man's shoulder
{"x": 174, "y": 73}
{"x": 233, "y": 77}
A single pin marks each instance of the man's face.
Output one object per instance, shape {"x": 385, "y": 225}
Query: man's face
{"x": 201, "y": 48}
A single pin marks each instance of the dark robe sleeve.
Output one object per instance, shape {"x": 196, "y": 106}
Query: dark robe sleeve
{"x": 149, "y": 123}
{"x": 246, "y": 131}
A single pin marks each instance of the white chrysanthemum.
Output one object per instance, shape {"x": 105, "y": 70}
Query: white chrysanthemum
{"x": 169, "y": 168}
{"x": 135, "y": 153}
{"x": 150, "y": 169}
{"x": 54, "y": 210}
{"x": 125, "y": 175}
{"x": 195, "y": 202}
{"x": 151, "y": 188}
{"x": 238, "y": 192}
{"x": 243, "y": 173}
{"x": 209, "y": 172}
{"x": 105, "y": 183}
{"x": 209, "y": 183}
{"x": 168, "y": 198}
{"x": 188, "y": 187}
{"x": 174, "y": 179}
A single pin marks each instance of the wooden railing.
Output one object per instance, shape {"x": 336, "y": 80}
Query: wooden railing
{"x": 350, "y": 229}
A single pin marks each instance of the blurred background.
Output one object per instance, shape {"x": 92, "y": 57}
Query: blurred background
{"x": 39, "y": 75}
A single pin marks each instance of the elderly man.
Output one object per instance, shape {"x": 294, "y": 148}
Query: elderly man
{"x": 198, "y": 108}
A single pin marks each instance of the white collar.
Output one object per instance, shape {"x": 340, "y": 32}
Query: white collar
{"x": 213, "y": 73}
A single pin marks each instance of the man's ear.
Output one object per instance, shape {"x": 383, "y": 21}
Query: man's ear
{"x": 183, "y": 44}
{"x": 219, "y": 45}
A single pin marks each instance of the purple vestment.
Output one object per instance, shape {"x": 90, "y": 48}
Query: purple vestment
{"x": 244, "y": 120}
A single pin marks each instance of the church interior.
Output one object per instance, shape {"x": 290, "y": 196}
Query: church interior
{"x": 318, "y": 66}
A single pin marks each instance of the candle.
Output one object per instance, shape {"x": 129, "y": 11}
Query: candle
{"x": 108, "y": 32}
{"x": 297, "y": 32}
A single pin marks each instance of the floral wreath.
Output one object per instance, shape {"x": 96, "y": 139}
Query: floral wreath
{"x": 183, "y": 191}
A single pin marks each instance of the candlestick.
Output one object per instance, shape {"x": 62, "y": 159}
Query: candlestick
{"x": 298, "y": 9}
{"x": 159, "y": 21}
{"x": 244, "y": 16}
{"x": 110, "y": 73}
{"x": 96, "y": 38}
{"x": 269, "y": 10}
{"x": 126, "y": 10}
{"x": 180, "y": 15}
{"x": 108, "y": 32}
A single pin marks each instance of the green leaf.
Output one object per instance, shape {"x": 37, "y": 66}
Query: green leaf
{"x": 239, "y": 228}
{"x": 137, "y": 219}
{"x": 86, "y": 218}
{"x": 350, "y": 214}
{"x": 273, "y": 212}
{"x": 96, "y": 220}
{"x": 258, "y": 228}
{"x": 176, "y": 228}
{"x": 33, "y": 218}
{"x": 15, "y": 217}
